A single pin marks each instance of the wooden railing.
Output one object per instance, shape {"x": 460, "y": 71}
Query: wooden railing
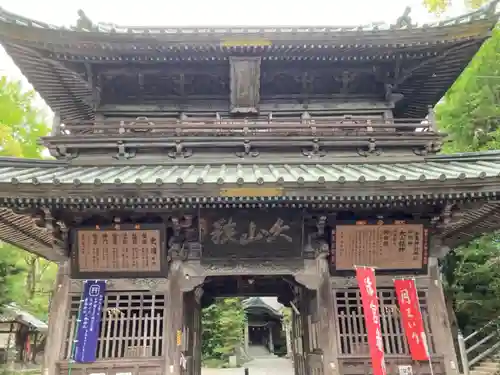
{"x": 479, "y": 344}
{"x": 218, "y": 126}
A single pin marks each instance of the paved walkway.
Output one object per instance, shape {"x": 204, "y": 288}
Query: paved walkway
{"x": 257, "y": 366}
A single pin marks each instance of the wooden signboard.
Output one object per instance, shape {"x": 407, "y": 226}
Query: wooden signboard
{"x": 135, "y": 250}
{"x": 387, "y": 246}
{"x": 235, "y": 234}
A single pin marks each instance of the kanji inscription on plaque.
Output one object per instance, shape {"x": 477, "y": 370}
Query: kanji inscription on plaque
{"x": 130, "y": 249}
{"x": 250, "y": 234}
{"x": 385, "y": 246}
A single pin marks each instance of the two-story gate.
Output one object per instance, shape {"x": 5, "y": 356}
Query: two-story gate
{"x": 184, "y": 155}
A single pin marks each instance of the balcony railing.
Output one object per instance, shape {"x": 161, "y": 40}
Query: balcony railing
{"x": 220, "y": 126}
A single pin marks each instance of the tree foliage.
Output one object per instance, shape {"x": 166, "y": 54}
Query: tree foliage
{"x": 470, "y": 114}
{"x": 470, "y": 111}
{"x": 21, "y": 123}
{"x": 472, "y": 275}
{"x": 24, "y": 278}
{"x": 223, "y": 326}
{"x": 440, "y": 6}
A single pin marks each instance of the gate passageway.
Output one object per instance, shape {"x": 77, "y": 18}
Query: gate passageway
{"x": 298, "y": 332}
{"x": 258, "y": 366}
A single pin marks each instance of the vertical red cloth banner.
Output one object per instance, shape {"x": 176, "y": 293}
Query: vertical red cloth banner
{"x": 368, "y": 289}
{"x": 411, "y": 317}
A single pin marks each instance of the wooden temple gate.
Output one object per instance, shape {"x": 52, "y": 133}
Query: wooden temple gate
{"x": 190, "y": 162}
{"x": 154, "y": 332}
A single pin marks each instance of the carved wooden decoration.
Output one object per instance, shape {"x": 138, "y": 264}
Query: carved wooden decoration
{"x": 245, "y": 84}
{"x": 394, "y": 246}
{"x": 119, "y": 251}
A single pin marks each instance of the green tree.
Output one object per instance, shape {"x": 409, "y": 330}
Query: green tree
{"x": 223, "y": 324}
{"x": 472, "y": 275}
{"x": 21, "y": 122}
{"x": 439, "y": 6}
{"x": 470, "y": 114}
{"x": 24, "y": 278}
{"x": 11, "y": 274}
{"x": 470, "y": 111}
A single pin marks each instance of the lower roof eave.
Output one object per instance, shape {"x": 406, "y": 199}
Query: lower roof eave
{"x": 12, "y": 194}
{"x": 20, "y": 231}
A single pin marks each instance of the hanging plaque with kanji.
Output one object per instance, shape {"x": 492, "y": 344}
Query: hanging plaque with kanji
{"x": 390, "y": 246}
{"x": 119, "y": 251}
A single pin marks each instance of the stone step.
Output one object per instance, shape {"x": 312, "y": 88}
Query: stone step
{"x": 486, "y": 368}
{"x": 482, "y": 372}
{"x": 489, "y": 364}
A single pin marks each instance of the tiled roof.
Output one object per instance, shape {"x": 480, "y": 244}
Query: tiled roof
{"x": 112, "y": 28}
{"x": 12, "y": 313}
{"x": 250, "y": 174}
{"x": 55, "y": 60}
{"x": 268, "y": 303}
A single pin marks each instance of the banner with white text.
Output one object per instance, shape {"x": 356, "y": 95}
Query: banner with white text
{"x": 411, "y": 317}
{"x": 368, "y": 289}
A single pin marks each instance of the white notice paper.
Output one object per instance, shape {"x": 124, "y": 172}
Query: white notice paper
{"x": 405, "y": 370}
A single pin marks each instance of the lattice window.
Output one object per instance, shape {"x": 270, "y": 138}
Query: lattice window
{"x": 352, "y": 338}
{"x": 131, "y": 325}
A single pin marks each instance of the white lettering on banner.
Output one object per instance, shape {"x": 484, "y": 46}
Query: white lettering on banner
{"x": 380, "y": 344}
{"x": 369, "y": 286}
{"x": 375, "y": 313}
{"x": 405, "y": 297}
{"x": 409, "y": 313}
{"x": 415, "y": 337}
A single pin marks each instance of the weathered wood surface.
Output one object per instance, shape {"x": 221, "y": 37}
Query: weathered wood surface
{"x": 130, "y": 326}
{"x": 439, "y": 320}
{"x": 245, "y": 84}
{"x": 58, "y": 314}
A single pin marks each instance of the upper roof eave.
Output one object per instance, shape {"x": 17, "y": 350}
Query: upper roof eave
{"x": 472, "y": 25}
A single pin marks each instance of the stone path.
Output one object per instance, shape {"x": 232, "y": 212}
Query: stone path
{"x": 258, "y": 366}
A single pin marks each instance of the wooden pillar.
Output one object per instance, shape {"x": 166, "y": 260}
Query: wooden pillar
{"x": 197, "y": 332}
{"x": 188, "y": 347}
{"x": 192, "y": 331}
{"x": 271, "y": 342}
{"x": 439, "y": 320}
{"x": 328, "y": 326}
{"x": 288, "y": 336}
{"x": 246, "y": 337}
{"x": 305, "y": 315}
{"x": 58, "y": 318}
{"x": 173, "y": 323}
{"x": 299, "y": 335}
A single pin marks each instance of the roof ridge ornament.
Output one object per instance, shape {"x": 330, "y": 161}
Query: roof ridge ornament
{"x": 404, "y": 21}
{"x": 83, "y": 23}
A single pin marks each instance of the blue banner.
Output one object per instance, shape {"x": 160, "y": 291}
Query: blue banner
{"x": 89, "y": 317}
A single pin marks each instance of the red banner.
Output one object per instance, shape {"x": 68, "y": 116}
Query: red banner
{"x": 411, "y": 318}
{"x": 368, "y": 289}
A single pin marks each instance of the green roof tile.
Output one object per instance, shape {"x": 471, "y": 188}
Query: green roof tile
{"x": 251, "y": 174}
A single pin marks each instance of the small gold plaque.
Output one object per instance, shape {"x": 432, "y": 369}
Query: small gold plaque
{"x": 246, "y": 43}
{"x": 251, "y": 192}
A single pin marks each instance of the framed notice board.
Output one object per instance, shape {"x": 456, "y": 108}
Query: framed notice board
{"x": 389, "y": 246}
{"x": 118, "y": 251}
